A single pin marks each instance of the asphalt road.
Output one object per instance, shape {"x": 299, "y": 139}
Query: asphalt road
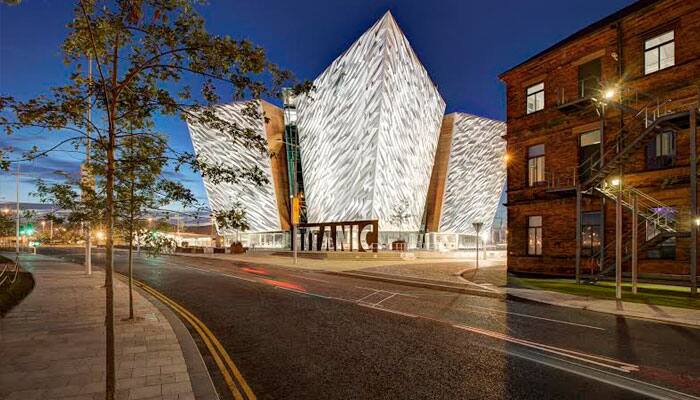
{"x": 296, "y": 334}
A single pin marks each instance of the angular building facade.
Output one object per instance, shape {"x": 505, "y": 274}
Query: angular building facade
{"x": 266, "y": 205}
{"x": 374, "y": 145}
{"x": 467, "y": 179}
{"x": 369, "y": 131}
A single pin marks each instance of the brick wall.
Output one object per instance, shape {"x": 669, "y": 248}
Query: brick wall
{"x": 559, "y": 132}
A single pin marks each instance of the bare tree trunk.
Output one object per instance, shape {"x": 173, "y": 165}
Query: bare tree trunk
{"x": 109, "y": 266}
{"x": 111, "y": 372}
{"x": 132, "y": 183}
{"x": 131, "y": 268}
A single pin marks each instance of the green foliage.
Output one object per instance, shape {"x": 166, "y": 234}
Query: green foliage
{"x": 233, "y": 218}
{"x": 152, "y": 58}
{"x": 7, "y": 224}
{"x": 158, "y": 244}
{"x": 148, "y": 56}
{"x": 400, "y": 214}
{"x": 663, "y": 295}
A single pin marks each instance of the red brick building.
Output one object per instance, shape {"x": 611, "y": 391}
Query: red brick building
{"x": 626, "y": 88}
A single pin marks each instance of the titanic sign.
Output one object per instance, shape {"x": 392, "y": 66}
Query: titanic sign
{"x": 339, "y": 236}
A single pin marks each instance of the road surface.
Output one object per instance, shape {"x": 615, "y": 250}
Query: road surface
{"x": 296, "y": 334}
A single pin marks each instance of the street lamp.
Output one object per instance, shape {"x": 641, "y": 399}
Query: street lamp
{"x": 609, "y": 93}
{"x": 294, "y": 196}
{"x": 477, "y": 227}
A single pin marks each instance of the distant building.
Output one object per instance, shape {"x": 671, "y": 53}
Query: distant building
{"x": 371, "y": 143}
{"x": 598, "y": 127}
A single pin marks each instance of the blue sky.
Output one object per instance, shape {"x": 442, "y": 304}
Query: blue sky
{"x": 463, "y": 44}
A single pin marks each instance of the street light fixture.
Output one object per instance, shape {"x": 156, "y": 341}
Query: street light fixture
{"x": 609, "y": 93}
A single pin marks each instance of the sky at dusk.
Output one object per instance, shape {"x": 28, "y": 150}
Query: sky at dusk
{"x": 463, "y": 44}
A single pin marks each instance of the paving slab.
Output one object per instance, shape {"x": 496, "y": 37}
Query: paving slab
{"x": 676, "y": 315}
{"x": 52, "y": 345}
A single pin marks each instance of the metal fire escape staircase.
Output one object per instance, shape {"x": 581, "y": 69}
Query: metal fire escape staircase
{"x": 633, "y": 136}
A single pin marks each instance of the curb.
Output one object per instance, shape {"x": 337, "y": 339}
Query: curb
{"x": 202, "y": 384}
{"x": 422, "y": 284}
{"x": 672, "y": 321}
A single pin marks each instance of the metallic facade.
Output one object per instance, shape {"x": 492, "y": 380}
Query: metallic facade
{"x": 259, "y": 202}
{"x": 368, "y": 133}
{"x": 372, "y": 140}
{"x": 476, "y": 174}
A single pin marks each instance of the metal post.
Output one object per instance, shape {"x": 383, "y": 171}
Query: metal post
{"x": 693, "y": 204}
{"x": 477, "y": 227}
{"x": 578, "y": 234}
{"x": 294, "y": 242}
{"x": 477, "y": 250}
{"x": 603, "y": 204}
{"x": 17, "y": 216}
{"x": 635, "y": 228}
{"x": 603, "y": 201}
{"x": 618, "y": 241}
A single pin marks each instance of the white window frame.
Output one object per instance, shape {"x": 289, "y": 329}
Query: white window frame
{"x": 534, "y": 235}
{"x": 535, "y": 166}
{"x": 655, "y": 47}
{"x": 534, "y": 98}
{"x": 665, "y": 144}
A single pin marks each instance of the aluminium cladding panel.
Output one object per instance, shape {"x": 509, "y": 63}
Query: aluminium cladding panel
{"x": 258, "y": 201}
{"x": 476, "y": 174}
{"x": 369, "y": 132}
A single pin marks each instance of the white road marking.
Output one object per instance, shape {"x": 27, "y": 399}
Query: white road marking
{"x": 218, "y": 273}
{"x": 385, "y": 299}
{"x": 369, "y": 295}
{"x": 625, "y": 382}
{"x": 308, "y": 279}
{"x": 588, "y": 358}
{"x": 487, "y": 310}
{"x": 388, "y": 310}
{"x": 297, "y": 291}
{"x": 407, "y": 294}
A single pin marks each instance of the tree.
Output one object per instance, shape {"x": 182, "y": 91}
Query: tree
{"x": 148, "y": 54}
{"x": 141, "y": 188}
{"x": 7, "y": 224}
{"x": 400, "y": 215}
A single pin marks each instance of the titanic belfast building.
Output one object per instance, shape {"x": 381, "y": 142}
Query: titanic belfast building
{"x": 371, "y": 154}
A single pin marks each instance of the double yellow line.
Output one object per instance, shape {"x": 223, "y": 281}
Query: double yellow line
{"x": 232, "y": 376}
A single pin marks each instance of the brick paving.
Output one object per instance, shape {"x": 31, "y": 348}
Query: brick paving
{"x": 448, "y": 271}
{"x": 52, "y": 344}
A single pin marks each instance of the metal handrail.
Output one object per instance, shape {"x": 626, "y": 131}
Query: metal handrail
{"x": 654, "y": 103}
{"x": 662, "y": 220}
{"x": 556, "y": 180}
{"x": 7, "y": 277}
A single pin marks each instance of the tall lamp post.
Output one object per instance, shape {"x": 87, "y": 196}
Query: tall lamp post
{"x": 17, "y": 221}
{"x": 294, "y": 196}
{"x": 477, "y": 227}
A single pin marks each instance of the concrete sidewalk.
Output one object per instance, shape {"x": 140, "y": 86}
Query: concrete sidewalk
{"x": 52, "y": 344}
{"x": 676, "y": 315}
